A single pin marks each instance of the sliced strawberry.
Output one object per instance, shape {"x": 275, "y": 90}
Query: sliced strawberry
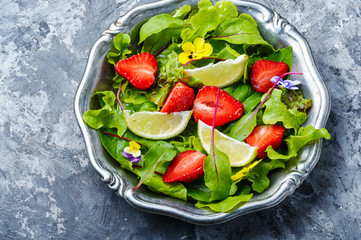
{"x": 263, "y": 136}
{"x": 185, "y": 167}
{"x": 228, "y": 109}
{"x": 262, "y": 72}
{"x": 139, "y": 70}
{"x": 179, "y": 99}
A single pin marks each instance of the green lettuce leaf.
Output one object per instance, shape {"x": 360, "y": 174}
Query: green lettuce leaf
{"x": 240, "y": 130}
{"x": 218, "y": 181}
{"x": 241, "y": 30}
{"x": 159, "y": 153}
{"x": 157, "y": 24}
{"x": 276, "y": 111}
{"x": 226, "y": 9}
{"x": 296, "y": 142}
{"x": 230, "y": 203}
{"x": 136, "y": 100}
{"x": 176, "y": 189}
{"x": 109, "y": 116}
{"x": 204, "y": 21}
{"x": 121, "y": 44}
{"x": 258, "y": 175}
{"x": 182, "y": 12}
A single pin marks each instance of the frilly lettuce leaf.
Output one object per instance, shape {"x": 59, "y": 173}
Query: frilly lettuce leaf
{"x": 121, "y": 44}
{"x": 292, "y": 99}
{"x": 276, "y": 111}
{"x": 170, "y": 70}
{"x": 135, "y": 100}
{"x": 204, "y": 21}
{"x": 296, "y": 142}
{"x": 109, "y": 116}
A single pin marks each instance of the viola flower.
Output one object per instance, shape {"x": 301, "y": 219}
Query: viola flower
{"x": 196, "y": 50}
{"x": 286, "y": 83}
{"x": 132, "y": 152}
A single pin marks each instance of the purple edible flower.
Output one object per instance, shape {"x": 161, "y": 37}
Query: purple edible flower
{"x": 286, "y": 83}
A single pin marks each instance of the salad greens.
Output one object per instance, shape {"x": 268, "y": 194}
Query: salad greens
{"x": 230, "y": 34}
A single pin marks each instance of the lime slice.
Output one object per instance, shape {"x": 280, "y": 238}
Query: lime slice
{"x": 220, "y": 74}
{"x": 157, "y": 125}
{"x": 239, "y": 153}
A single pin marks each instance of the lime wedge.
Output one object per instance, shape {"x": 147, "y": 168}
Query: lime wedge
{"x": 239, "y": 153}
{"x": 220, "y": 74}
{"x": 157, "y": 125}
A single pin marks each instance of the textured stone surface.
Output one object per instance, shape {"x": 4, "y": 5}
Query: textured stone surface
{"x": 49, "y": 189}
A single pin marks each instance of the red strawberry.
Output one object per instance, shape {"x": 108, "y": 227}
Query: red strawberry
{"x": 262, "y": 72}
{"x": 139, "y": 70}
{"x": 263, "y": 136}
{"x": 185, "y": 167}
{"x": 179, "y": 99}
{"x": 228, "y": 109}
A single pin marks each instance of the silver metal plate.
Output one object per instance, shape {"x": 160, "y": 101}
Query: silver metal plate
{"x": 274, "y": 29}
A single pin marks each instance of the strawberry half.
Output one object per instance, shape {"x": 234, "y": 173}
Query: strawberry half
{"x": 185, "y": 167}
{"x": 139, "y": 70}
{"x": 179, "y": 99}
{"x": 263, "y": 136}
{"x": 228, "y": 109}
{"x": 262, "y": 72}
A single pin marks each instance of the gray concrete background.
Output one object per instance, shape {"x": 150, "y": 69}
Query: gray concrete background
{"x": 49, "y": 190}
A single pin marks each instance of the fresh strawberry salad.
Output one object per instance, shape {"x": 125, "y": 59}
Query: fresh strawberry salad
{"x": 200, "y": 109}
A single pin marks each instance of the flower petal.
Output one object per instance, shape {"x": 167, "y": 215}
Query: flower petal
{"x": 188, "y": 47}
{"x": 135, "y": 159}
{"x": 134, "y": 146}
{"x": 198, "y": 44}
{"x": 184, "y": 57}
{"x": 127, "y": 150}
{"x": 126, "y": 155}
{"x": 136, "y": 153}
{"x": 208, "y": 49}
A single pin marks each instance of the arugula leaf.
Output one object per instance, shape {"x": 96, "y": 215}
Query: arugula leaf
{"x": 258, "y": 175}
{"x": 108, "y": 116}
{"x": 219, "y": 182}
{"x": 296, "y": 142}
{"x": 276, "y": 111}
{"x": 121, "y": 44}
{"x": 230, "y": 203}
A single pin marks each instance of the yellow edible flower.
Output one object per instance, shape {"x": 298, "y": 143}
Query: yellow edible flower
{"x": 133, "y": 149}
{"x": 196, "y": 50}
{"x": 245, "y": 171}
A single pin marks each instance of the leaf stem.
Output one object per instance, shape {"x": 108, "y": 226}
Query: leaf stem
{"x": 212, "y": 140}
{"x": 118, "y": 93}
{"x": 190, "y": 61}
{"x": 124, "y": 138}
